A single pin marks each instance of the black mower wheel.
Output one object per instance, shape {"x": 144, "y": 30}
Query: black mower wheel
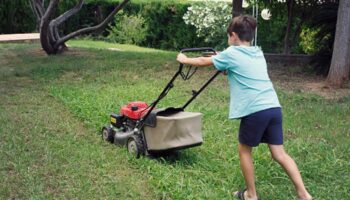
{"x": 135, "y": 146}
{"x": 107, "y": 134}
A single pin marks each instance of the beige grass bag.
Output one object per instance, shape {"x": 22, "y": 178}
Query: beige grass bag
{"x": 177, "y": 131}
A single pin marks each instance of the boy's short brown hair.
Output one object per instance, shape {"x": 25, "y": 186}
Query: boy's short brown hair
{"x": 244, "y": 26}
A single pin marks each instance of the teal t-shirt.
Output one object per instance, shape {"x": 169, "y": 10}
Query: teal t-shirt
{"x": 251, "y": 89}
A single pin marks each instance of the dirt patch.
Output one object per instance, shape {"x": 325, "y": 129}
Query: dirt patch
{"x": 329, "y": 93}
{"x": 301, "y": 79}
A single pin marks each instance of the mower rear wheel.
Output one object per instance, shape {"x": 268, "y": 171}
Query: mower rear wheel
{"x": 107, "y": 134}
{"x": 135, "y": 146}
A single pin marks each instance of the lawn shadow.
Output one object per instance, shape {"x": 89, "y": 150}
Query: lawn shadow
{"x": 184, "y": 158}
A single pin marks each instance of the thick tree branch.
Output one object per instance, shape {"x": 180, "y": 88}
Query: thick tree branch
{"x": 237, "y": 8}
{"x": 103, "y": 24}
{"x": 286, "y": 49}
{"x": 49, "y": 11}
{"x": 62, "y": 18}
{"x": 39, "y": 5}
{"x": 34, "y": 9}
{"x": 54, "y": 35}
{"x": 44, "y": 27}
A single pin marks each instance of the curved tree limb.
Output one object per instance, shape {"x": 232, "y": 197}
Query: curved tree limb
{"x": 286, "y": 48}
{"x": 104, "y": 23}
{"x": 62, "y": 18}
{"x": 37, "y": 7}
{"x": 53, "y": 30}
{"x": 36, "y": 12}
{"x": 50, "y": 39}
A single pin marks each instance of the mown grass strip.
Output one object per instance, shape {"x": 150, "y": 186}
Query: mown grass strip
{"x": 91, "y": 83}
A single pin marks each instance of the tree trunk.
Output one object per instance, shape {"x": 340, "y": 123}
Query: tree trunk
{"x": 237, "y": 8}
{"x": 50, "y": 39}
{"x": 286, "y": 48}
{"x": 46, "y": 42}
{"x": 340, "y": 65}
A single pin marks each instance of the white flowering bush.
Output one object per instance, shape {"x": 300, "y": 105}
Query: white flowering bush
{"x": 210, "y": 19}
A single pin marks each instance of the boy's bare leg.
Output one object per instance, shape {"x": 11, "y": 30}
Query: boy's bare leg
{"x": 288, "y": 164}
{"x": 247, "y": 167}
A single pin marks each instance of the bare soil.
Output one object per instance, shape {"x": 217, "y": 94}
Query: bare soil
{"x": 301, "y": 79}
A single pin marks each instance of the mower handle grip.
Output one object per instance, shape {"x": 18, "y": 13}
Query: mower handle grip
{"x": 197, "y": 49}
{"x": 204, "y": 50}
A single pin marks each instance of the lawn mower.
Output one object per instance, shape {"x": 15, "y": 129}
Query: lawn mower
{"x": 145, "y": 130}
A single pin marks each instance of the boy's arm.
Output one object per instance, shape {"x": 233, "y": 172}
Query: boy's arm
{"x": 199, "y": 61}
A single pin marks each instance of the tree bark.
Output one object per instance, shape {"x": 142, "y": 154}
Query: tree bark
{"x": 286, "y": 48}
{"x": 45, "y": 39}
{"x": 37, "y": 7}
{"x": 237, "y": 8}
{"x": 50, "y": 39}
{"x": 339, "y": 71}
{"x": 100, "y": 26}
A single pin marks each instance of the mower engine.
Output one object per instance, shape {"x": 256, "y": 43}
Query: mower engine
{"x": 122, "y": 129}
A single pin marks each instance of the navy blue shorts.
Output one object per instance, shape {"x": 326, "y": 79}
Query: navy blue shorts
{"x": 262, "y": 127}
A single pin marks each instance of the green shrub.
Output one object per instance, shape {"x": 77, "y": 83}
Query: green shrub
{"x": 167, "y": 30}
{"x": 128, "y": 29}
{"x": 307, "y": 40}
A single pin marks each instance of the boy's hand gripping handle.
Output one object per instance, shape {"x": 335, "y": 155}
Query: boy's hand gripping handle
{"x": 206, "y": 51}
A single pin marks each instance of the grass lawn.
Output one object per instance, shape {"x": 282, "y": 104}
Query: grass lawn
{"x": 52, "y": 107}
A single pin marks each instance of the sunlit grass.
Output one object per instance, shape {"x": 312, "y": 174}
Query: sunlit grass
{"x": 54, "y": 106}
{"x": 110, "y": 46}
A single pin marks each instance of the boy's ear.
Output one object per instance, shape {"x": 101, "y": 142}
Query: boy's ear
{"x": 233, "y": 34}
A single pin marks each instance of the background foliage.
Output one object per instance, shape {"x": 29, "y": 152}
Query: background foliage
{"x": 16, "y": 17}
{"x": 167, "y": 29}
{"x": 128, "y": 29}
{"x": 210, "y": 19}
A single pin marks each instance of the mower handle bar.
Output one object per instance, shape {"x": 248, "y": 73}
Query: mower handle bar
{"x": 200, "y": 49}
{"x": 197, "y": 49}
{"x": 179, "y": 72}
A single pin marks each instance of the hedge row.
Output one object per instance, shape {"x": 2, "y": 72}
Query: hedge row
{"x": 164, "y": 18}
{"x": 16, "y": 17}
{"x": 166, "y": 28}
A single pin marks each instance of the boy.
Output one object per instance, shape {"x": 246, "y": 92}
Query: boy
{"x": 254, "y": 101}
